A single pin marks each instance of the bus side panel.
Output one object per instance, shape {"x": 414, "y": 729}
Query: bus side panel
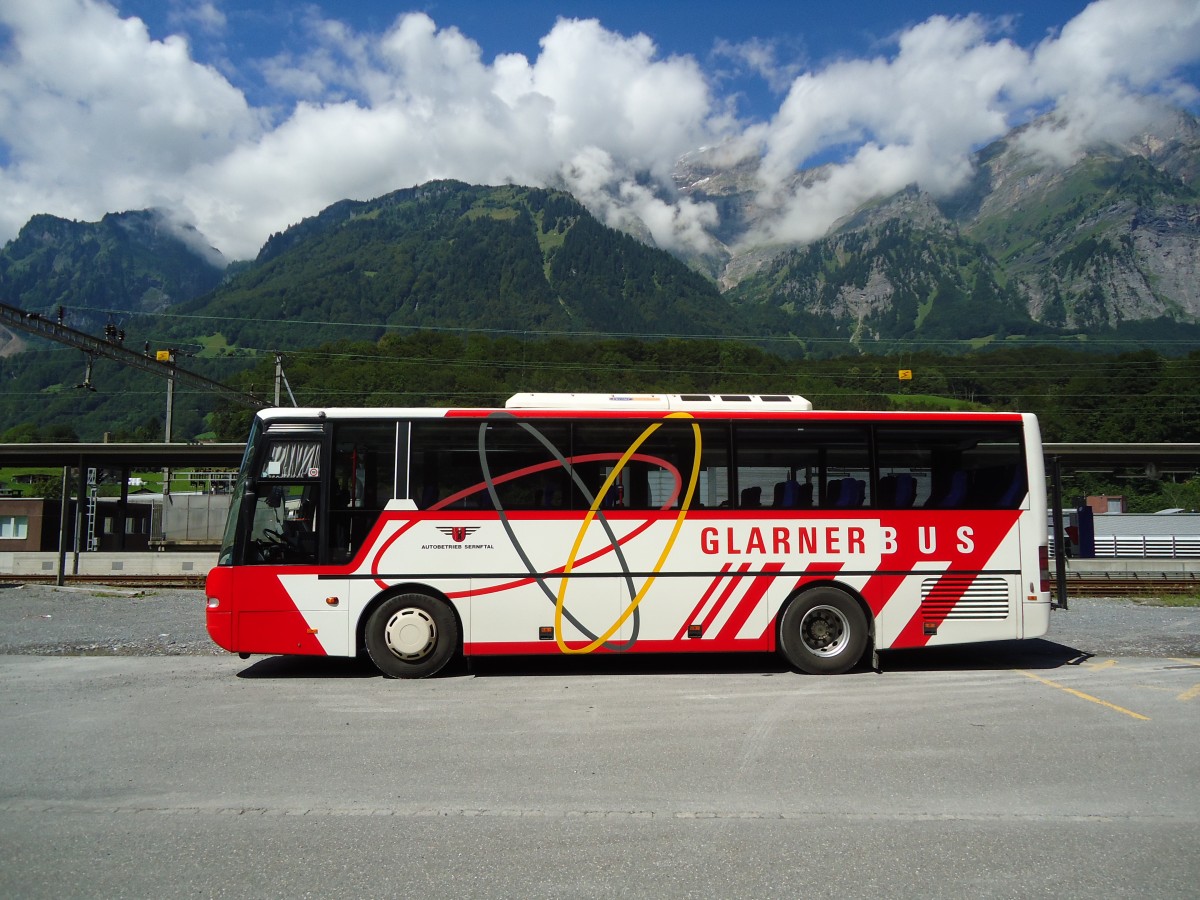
{"x": 1035, "y": 610}
{"x": 953, "y": 578}
{"x": 642, "y": 600}
{"x": 218, "y": 617}
{"x": 267, "y": 618}
{"x": 928, "y": 576}
{"x": 717, "y": 613}
{"x": 507, "y": 614}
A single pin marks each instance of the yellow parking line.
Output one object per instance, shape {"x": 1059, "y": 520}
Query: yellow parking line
{"x": 1083, "y": 696}
{"x": 1193, "y": 692}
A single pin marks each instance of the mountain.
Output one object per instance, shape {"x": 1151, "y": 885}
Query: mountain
{"x": 1107, "y": 246}
{"x": 445, "y": 256}
{"x": 458, "y": 256}
{"x": 898, "y": 272}
{"x": 127, "y": 263}
{"x": 1109, "y": 240}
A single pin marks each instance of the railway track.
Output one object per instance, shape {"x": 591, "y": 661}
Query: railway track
{"x": 124, "y": 580}
{"x": 1143, "y": 584}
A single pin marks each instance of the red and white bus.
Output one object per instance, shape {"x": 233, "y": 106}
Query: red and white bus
{"x": 589, "y": 523}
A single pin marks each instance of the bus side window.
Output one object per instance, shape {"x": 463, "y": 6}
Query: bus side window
{"x": 660, "y": 473}
{"x": 517, "y": 470}
{"x": 958, "y": 466}
{"x": 364, "y": 480}
{"x": 793, "y": 466}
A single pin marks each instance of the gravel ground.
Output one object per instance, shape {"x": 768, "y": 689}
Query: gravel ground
{"x": 46, "y": 620}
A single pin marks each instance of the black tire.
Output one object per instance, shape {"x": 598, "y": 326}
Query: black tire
{"x": 411, "y": 636}
{"x": 823, "y": 632}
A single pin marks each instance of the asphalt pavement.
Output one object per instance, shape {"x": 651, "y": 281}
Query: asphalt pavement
{"x": 140, "y": 761}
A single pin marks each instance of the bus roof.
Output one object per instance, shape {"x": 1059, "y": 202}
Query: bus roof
{"x": 751, "y": 406}
{"x": 692, "y": 402}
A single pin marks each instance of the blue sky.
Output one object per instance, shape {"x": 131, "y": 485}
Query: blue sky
{"x": 241, "y": 118}
{"x": 804, "y": 33}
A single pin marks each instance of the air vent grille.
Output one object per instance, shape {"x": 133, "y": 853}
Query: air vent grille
{"x": 295, "y": 428}
{"x": 950, "y": 597}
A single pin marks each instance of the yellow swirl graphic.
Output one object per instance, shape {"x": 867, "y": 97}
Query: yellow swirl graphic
{"x": 600, "y": 495}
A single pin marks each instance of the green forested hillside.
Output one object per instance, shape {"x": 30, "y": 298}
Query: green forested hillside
{"x": 1078, "y": 396}
{"x": 42, "y": 399}
{"x": 452, "y": 293}
{"x": 900, "y": 281}
{"x": 126, "y": 263}
{"x": 451, "y": 255}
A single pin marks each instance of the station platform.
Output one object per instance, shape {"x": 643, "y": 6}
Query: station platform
{"x": 174, "y": 564}
{"x": 1130, "y": 566}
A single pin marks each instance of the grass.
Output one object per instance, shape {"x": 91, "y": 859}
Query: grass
{"x": 1172, "y": 600}
{"x": 213, "y": 345}
{"x": 152, "y": 481}
{"x": 933, "y": 402}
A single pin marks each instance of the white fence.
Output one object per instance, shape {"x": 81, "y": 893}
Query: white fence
{"x": 1161, "y": 546}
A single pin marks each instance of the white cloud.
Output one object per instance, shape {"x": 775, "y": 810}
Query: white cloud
{"x": 1110, "y": 73}
{"x": 206, "y": 15}
{"x": 762, "y": 57}
{"x": 96, "y": 116}
{"x": 918, "y": 115}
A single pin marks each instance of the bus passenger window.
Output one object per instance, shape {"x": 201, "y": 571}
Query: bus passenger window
{"x": 795, "y": 465}
{"x": 658, "y": 474}
{"x": 958, "y": 466}
{"x": 479, "y": 464}
{"x": 364, "y": 480}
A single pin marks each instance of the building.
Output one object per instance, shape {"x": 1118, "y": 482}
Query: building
{"x": 142, "y": 522}
{"x": 28, "y": 524}
{"x": 1103, "y": 504}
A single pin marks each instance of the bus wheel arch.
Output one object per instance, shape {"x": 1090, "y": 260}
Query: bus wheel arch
{"x": 409, "y": 631}
{"x": 824, "y": 629}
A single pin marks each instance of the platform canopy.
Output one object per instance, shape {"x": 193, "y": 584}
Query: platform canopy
{"x": 119, "y": 456}
{"x": 1153, "y": 458}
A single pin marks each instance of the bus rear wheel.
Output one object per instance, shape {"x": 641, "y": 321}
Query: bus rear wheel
{"x": 411, "y": 636}
{"x": 823, "y": 632}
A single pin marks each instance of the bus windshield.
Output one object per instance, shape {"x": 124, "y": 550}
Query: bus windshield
{"x": 229, "y": 537}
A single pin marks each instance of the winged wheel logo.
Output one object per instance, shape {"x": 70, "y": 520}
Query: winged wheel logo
{"x": 458, "y": 533}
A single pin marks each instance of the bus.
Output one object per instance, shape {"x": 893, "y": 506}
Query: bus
{"x": 643, "y": 523}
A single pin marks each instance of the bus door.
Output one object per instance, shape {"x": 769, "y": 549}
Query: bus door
{"x": 285, "y": 605}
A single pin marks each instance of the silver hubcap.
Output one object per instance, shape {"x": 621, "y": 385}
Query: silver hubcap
{"x": 825, "y": 631}
{"x": 410, "y": 633}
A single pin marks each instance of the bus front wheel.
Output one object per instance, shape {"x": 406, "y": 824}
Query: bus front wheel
{"x": 411, "y": 636}
{"x": 823, "y": 632}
